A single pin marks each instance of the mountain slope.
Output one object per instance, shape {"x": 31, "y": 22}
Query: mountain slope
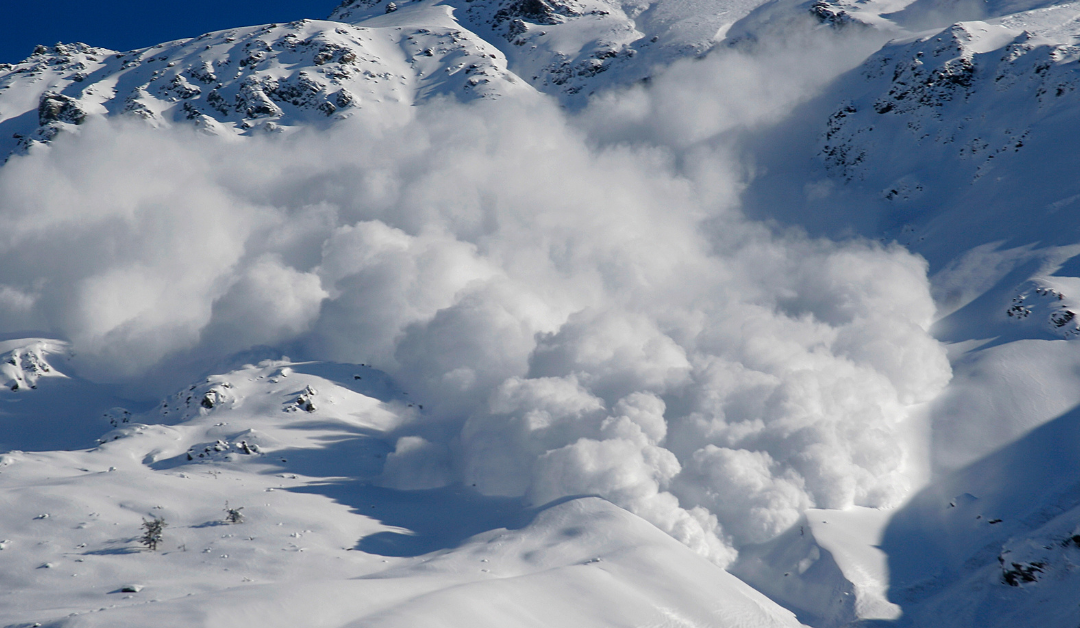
{"x": 574, "y": 48}
{"x": 370, "y": 56}
{"x": 995, "y": 543}
{"x": 665, "y": 353}
{"x": 958, "y": 143}
{"x": 295, "y": 447}
{"x": 255, "y": 79}
{"x": 42, "y": 407}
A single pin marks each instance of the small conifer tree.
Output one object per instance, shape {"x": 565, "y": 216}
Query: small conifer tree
{"x": 153, "y": 532}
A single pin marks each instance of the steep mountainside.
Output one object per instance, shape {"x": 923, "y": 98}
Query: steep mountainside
{"x": 371, "y": 55}
{"x": 996, "y": 543}
{"x": 959, "y": 142}
{"x": 258, "y": 79}
{"x": 739, "y": 408}
{"x": 572, "y": 48}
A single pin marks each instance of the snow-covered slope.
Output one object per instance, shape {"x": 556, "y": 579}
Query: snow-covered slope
{"x": 246, "y": 80}
{"x": 959, "y": 142}
{"x": 960, "y": 117}
{"x": 369, "y": 56}
{"x": 42, "y": 407}
{"x": 24, "y": 362}
{"x": 828, "y": 567}
{"x": 573, "y": 48}
{"x": 995, "y": 543}
{"x": 602, "y": 318}
{"x": 953, "y": 139}
{"x": 296, "y": 447}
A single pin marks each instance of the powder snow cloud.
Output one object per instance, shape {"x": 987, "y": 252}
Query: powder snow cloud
{"x": 578, "y": 302}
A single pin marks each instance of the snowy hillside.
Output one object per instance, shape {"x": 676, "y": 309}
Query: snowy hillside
{"x": 995, "y": 544}
{"x": 257, "y": 79}
{"x": 291, "y": 446}
{"x": 959, "y": 143}
{"x": 278, "y": 76}
{"x": 602, "y": 313}
{"x": 574, "y": 48}
{"x": 42, "y": 407}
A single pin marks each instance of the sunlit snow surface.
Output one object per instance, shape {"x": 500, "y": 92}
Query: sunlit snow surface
{"x": 295, "y": 447}
{"x": 562, "y": 349}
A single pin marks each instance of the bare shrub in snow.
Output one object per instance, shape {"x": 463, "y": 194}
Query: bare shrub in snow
{"x": 233, "y": 515}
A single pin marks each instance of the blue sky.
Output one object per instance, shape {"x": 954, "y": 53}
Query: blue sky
{"x": 127, "y": 24}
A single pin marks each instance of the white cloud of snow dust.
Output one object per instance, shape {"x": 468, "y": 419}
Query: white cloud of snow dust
{"x": 581, "y": 301}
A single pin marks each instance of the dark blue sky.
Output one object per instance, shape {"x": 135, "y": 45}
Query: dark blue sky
{"x": 127, "y": 24}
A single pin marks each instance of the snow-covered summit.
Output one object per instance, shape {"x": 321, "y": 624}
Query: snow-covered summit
{"x": 25, "y": 361}
{"x": 574, "y": 48}
{"x": 367, "y": 56}
{"x": 247, "y": 80}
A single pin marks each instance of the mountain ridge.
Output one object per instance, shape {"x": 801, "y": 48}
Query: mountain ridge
{"x": 951, "y": 140}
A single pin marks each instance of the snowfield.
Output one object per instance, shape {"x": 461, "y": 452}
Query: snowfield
{"x": 320, "y": 544}
{"x": 601, "y": 313}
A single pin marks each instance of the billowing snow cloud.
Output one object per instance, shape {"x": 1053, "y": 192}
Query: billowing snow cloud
{"x": 579, "y": 303}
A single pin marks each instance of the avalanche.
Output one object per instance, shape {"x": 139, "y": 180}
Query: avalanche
{"x": 707, "y": 312}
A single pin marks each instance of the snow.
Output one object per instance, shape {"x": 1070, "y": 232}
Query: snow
{"x": 829, "y": 567}
{"x": 255, "y": 79}
{"x": 42, "y": 407}
{"x": 317, "y": 544}
{"x": 952, "y": 548}
{"x": 901, "y": 145}
{"x": 575, "y": 48}
{"x": 671, "y": 313}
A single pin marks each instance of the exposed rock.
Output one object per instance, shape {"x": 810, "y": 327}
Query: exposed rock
{"x": 59, "y": 108}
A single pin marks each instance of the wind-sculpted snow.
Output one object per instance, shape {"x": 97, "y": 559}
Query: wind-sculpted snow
{"x": 573, "y": 318}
